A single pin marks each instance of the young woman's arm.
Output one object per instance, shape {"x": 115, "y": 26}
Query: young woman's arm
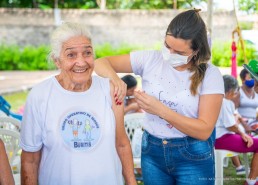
{"x": 199, "y": 128}
{"x": 6, "y": 176}
{"x": 122, "y": 143}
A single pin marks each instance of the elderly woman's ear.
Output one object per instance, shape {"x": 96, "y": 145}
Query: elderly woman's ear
{"x": 57, "y": 62}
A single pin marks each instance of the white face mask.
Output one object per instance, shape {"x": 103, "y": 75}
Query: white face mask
{"x": 173, "y": 59}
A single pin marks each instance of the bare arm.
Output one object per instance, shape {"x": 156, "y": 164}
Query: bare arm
{"x": 245, "y": 137}
{"x": 200, "y": 128}
{"x": 109, "y": 66}
{"x": 122, "y": 143}
{"x": 29, "y": 167}
{"x": 243, "y": 122}
{"x": 6, "y": 176}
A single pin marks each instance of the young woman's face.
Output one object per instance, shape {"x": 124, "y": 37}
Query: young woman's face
{"x": 178, "y": 46}
{"x": 76, "y": 60}
{"x": 178, "y": 52}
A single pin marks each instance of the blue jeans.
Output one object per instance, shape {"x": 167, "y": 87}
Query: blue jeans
{"x": 177, "y": 161}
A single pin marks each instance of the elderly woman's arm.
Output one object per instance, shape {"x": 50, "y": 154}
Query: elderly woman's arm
{"x": 122, "y": 143}
{"x": 6, "y": 176}
{"x": 29, "y": 167}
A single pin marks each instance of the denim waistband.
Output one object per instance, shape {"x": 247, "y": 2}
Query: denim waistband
{"x": 171, "y": 141}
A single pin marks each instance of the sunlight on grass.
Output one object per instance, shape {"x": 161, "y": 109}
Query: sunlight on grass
{"x": 16, "y": 100}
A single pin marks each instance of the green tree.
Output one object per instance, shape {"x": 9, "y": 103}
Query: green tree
{"x": 249, "y": 6}
{"x": 151, "y": 4}
{"x": 110, "y": 4}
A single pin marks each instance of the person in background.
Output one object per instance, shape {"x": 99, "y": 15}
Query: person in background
{"x": 256, "y": 86}
{"x": 72, "y": 129}
{"x": 6, "y": 176}
{"x": 182, "y": 96}
{"x": 228, "y": 134}
{"x": 247, "y": 100}
{"x": 130, "y": 104}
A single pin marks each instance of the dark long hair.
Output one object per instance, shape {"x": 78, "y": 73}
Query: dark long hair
{"x": 189, "y": 25}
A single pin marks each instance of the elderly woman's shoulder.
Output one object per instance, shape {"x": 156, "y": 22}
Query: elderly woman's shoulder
{"x": 43, "y": 86}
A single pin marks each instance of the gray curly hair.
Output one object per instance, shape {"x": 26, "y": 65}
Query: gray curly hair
{"x": 64, "y": 32}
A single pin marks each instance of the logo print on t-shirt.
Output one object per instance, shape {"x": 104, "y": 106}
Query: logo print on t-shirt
{"x": 80, "y": 131}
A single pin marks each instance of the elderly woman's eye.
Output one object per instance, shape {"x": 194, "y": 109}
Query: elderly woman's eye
{"x": 70, "y": 55}
{"x": 88, "y": 53}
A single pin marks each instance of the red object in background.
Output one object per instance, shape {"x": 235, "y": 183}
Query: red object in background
{"x": 233, "y": 60}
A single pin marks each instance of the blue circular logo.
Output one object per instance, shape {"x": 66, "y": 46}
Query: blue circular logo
{"x": 80, "y": 131}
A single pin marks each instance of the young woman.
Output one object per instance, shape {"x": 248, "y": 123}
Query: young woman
{"x": 182, "y": 95}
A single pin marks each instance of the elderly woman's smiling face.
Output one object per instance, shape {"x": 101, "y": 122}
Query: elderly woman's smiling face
{"x": 76, "y": 63}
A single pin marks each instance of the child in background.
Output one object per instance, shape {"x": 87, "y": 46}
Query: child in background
{"x": 130, "y": 104}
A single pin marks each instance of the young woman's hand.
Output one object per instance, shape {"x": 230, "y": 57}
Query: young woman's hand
{"x": 148, "y": 103}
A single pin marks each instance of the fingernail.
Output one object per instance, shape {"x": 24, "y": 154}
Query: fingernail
{"x": 115, "y": 95}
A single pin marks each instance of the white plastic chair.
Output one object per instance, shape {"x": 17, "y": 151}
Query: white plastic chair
{"x": 2, "y": 114}
{"x": 220, "y": 156}
{"x": 17, "y": 178}
{"x": 10, "y": 123}
{"x": 11, "y": 141}
{"x": 133, "y": 124}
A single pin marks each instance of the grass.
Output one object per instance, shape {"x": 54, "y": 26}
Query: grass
{"x": 17, "y": 100}
{"x": 230, "y": 176}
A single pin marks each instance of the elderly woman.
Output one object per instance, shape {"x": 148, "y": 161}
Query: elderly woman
{"x": 72, "y": 129}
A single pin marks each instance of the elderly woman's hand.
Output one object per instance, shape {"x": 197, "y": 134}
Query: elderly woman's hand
{"x": 120, "y": 89}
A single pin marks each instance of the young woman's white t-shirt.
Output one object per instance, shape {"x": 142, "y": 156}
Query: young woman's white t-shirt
{"x": 172, "y": 88}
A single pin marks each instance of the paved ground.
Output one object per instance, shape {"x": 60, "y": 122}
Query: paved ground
{"x": 13, "y": 81}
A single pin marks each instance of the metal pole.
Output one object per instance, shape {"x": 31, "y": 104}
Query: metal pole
{"x": 174, "y": 4}
{"x": 57, "y": 14}
{"x": 209, "y": 17}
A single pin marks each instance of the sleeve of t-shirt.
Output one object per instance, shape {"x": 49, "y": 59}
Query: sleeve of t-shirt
{"x": 228, "y": 114}
{"x": 142, "y": 61}
{"x": 213, "y": 81}
{"x": 31, "y": 132}
{"x": 105, "y": 85}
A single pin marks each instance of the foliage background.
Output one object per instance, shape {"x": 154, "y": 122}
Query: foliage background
{"x": 249, "y": 6}
{"x": 35, "y": 58}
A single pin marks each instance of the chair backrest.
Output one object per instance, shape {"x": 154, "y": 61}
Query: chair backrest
{"x": 4, "y": 105}
{"x": 2, "y": 114}
{"x": 132, "y": 122}
{"x": 11, "y": 141}
{"x": 10, "y": 123}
